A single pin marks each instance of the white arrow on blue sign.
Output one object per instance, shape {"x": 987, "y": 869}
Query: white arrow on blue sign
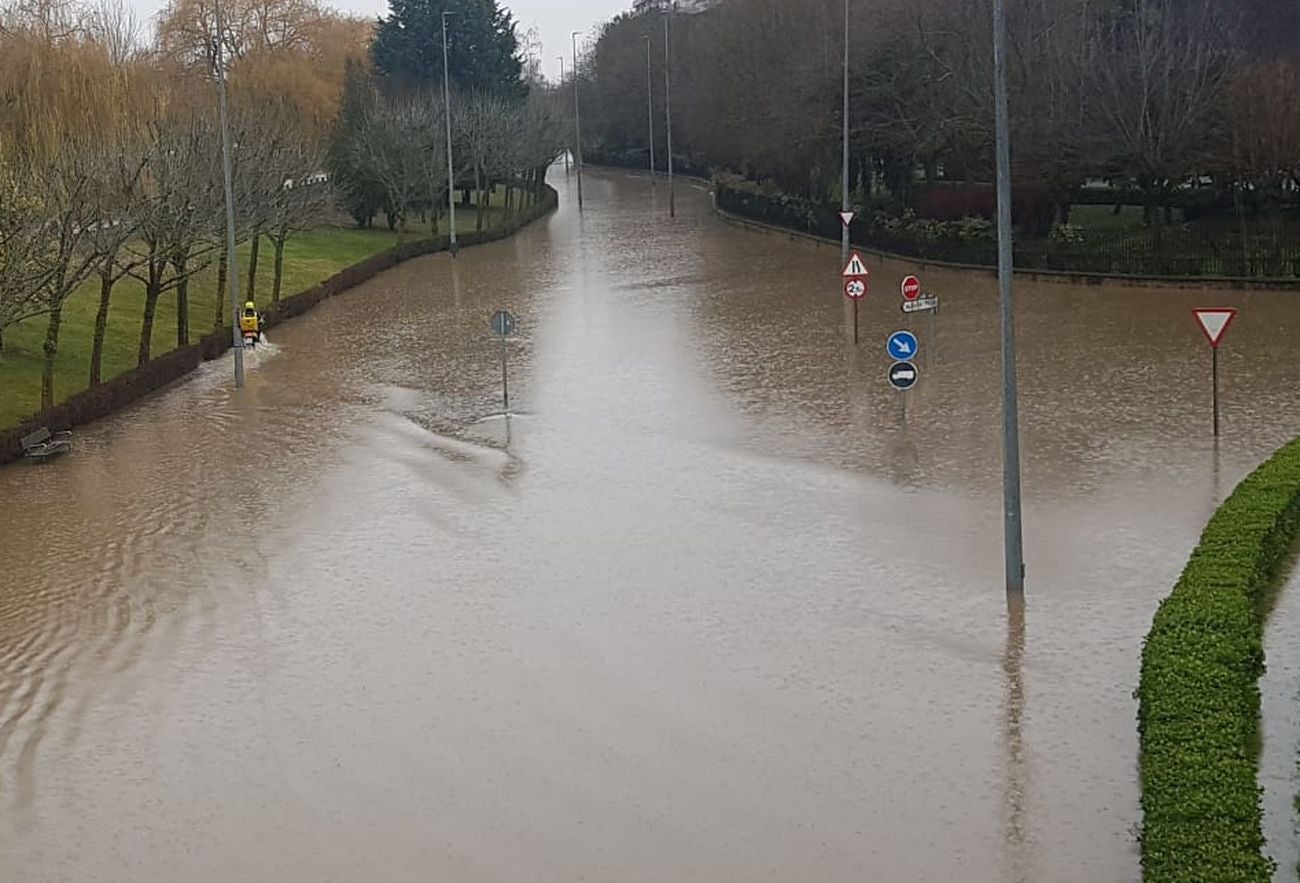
{"x": 902, "y": 346}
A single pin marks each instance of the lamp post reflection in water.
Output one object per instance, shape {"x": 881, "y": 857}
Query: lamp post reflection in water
{"x": 1014, "y": 817}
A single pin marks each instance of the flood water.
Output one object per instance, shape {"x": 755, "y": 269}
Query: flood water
{"x": 715, "y": 604}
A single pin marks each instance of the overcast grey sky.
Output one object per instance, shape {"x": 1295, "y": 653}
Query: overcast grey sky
{"x": 553, "y": 19}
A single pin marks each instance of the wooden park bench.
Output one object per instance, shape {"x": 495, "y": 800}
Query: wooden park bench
{"x": 43, "y": 444}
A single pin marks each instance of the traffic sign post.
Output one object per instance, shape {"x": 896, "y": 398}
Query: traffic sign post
{"x": 503, "y": 325}
{"x": 903, "y": 376}
{"x": 1214, "y": 322}
{"x": 857, "y": 278}
{"x": 902, "y": 346}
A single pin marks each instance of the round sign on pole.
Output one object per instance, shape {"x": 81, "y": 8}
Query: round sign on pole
{"x": 911, "y": 288}
{"x": 503, "y": 323}
{"x": 902, "y": 346}
{"x": 903, "y": 375}
{"x": 855, "y": 289}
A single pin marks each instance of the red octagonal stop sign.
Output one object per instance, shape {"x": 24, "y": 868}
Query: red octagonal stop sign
{"x": 911, "y": 288}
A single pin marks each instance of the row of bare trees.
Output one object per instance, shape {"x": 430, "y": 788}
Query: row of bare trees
{"x": 1150, "y": 94}
{"x": 110, "y": 158}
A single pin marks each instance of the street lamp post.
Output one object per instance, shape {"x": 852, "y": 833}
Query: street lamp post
{"x": 446, "y": 112}
{"x": 650, "y": 105}
{"x": 566, "y": 153}
{"x": 668, "y": 105}
{"x": 577, "y": 116}
{"x": 1012, "y": 531}
{"x": 232, "y": 276}
{"x": 844, "y": 192}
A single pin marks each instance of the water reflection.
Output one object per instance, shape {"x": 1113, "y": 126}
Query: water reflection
{"x": 1016, "y": 786}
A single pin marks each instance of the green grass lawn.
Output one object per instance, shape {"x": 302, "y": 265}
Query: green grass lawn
{"x": 1103, "y": 217}
{"x": 309, "y": 258}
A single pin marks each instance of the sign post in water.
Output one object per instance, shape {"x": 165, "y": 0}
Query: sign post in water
{"x": 1214, "y": 322}
{"x": 503, "y": 325}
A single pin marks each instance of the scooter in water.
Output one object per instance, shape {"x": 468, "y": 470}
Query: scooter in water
{"x": 250, "y": 325}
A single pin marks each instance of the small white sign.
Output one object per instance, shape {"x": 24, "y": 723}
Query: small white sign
{"x": 921, "y": 304}
{"x": 846, "y": 218}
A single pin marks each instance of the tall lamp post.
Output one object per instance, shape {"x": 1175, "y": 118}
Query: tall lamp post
{"x": 566, "y": 153}
{"x": 446, "y": 112}
{"x": 844, "y": 192}
{"x": 577, "y": 116}
{"x": 1012, "y": 531}
{"x": 650, "y": 105}
{"x": 232, "y": 276}
{"x": 668, "y": 104}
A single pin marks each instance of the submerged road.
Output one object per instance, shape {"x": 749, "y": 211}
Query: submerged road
{"x": 715, "y": 605}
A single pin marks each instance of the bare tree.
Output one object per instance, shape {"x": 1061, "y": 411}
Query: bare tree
{"x": 392, "y": 147}
{"x": 305, "y": 199}
{"x": 180, "y": 196}
{"x": 116, "y": 26}
{"x": 1158, "y": 76}
{"x": 22, "y": 241}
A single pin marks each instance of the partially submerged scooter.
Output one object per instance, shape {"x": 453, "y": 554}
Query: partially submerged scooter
{"x": 250, "y": 325}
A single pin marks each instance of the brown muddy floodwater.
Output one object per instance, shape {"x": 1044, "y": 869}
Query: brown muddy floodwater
{"x": 712, "y": 607}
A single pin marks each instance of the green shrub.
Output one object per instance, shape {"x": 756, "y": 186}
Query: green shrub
{"x": 1198, "y": 714}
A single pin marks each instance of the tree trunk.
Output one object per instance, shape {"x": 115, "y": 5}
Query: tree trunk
{"x": 101, "y": 322}
{"x": 152, "y": 291}
{"x": 255, "y": 246}
{"x": 278, "y": 242}
{"x": 478, "y": 185}
{"x": 51, "y": 351}
{"x": 220, "y": 312}
{"x": 182, "y": 301}
{"x": 1246, "y": 269}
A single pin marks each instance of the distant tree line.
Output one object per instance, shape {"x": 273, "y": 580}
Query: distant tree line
{"x": 388, "y": 151}
{"x": 1158, "y": 97}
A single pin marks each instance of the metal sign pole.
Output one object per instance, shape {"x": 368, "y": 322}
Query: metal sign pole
{"x": 855, "y": 323}
{"x": 1214, "y": 373}
{"x": 505, "y": 379}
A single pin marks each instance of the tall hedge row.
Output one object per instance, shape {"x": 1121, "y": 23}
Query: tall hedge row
{"x": 1198, "y": 715}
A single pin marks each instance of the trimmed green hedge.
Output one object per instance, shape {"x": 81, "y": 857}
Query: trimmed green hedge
{"x": 1198, "y": 715}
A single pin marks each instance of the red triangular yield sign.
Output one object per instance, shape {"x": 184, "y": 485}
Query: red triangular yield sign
{"x": 856, "y": 266}
{"x": 846, "y": 218}
{"x": 1214, "y": 322}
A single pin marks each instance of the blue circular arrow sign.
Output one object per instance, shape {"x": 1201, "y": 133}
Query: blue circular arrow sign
{"x": 902, "y": 346}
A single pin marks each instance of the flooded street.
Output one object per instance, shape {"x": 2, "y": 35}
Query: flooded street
{"x": 715, "y": 605}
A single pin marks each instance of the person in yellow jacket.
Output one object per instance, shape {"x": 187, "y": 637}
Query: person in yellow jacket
{"x": 250, "y": 323}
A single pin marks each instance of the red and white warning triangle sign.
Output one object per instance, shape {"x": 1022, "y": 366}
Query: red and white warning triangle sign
{"x": 855, "y": 267}
{"x": 846, "y": 218}
{"x": 1214, "y": 321}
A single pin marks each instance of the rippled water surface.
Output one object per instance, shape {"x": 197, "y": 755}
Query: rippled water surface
{"x": 716, "y": 604}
